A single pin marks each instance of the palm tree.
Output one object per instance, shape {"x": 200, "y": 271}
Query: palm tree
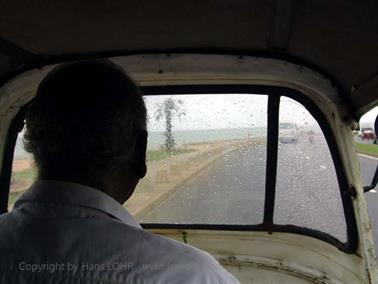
{"x": 168, "y": 110}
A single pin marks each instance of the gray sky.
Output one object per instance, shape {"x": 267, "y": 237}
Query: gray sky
{"x": 225, "y": 111}
{"x": 369, "y": 117}
{"x": 212, "y": 111}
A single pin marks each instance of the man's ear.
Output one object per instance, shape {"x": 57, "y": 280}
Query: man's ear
{"x": 140, "y": 154}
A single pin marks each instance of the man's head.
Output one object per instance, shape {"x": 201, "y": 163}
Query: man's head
{"x": 87, "y": 124}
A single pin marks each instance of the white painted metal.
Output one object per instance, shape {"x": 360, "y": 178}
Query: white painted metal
{"x": 252, "y": 256}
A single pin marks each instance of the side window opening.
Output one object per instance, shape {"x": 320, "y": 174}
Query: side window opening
{"x": 24, "y": 171}
{"x": 367, "y": 148}
{"x": 307, "y": 189}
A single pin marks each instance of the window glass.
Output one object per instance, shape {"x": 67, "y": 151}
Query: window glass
{"x": 207, "y": 158}
{"x": 206, "y": 161}
{"x": 24, "y": 171}
{"x": 307, "y": 189}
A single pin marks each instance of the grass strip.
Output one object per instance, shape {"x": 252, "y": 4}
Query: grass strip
{"x": 368, "y": 149}
{"x": 156, "y": 155}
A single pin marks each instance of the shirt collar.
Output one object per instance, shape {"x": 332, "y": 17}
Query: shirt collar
{"x": 62, "y": 192}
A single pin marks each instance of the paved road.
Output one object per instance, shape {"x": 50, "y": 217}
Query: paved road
{"x": 231, "y": 191}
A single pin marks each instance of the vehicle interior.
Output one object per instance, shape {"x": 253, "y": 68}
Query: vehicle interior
{"x": 271, "y": 205}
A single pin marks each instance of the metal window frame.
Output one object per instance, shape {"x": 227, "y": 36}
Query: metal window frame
{"x": 271, "y": 159}
{"x": 274, "y": 94}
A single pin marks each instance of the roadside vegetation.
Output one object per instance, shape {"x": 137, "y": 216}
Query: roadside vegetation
{"x": 168, "y": 110}
{"x": 367, "y": 149}
{"x": 156, "y": 155}
{"x": 24, "y": 175}
{"x": 22, "y": 179}
{"x": 13, "y": 196}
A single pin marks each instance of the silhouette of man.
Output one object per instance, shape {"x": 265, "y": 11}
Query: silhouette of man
{"x": 86, "y": 129}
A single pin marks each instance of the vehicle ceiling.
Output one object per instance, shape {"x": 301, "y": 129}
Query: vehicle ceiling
{"x": 338, "y": 38}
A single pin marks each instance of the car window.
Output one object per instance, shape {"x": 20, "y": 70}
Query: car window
{"x": 307, "y": 189}
{"x": 207, "y": 160}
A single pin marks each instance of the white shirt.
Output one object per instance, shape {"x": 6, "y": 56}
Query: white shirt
{"x": 61, "y": 232}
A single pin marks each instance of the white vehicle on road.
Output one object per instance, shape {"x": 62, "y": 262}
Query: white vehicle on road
{"x": 288, "y": 132}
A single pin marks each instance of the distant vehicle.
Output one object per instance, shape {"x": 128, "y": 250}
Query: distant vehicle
{"x": 289, "y": 132}
{"x": 367, "y": 133}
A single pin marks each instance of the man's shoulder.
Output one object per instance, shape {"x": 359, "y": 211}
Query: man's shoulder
{"x": 164, "y": 260}
{"x": 178, "y": 262}
{"x": 153, "y": 246}
{"x": 133, "y": 252}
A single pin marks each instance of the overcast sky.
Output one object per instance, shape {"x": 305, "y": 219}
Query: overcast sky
{"x": 211, "y": 111}
{"x": 370, "y": 116}
{"x": 225, "y": 111}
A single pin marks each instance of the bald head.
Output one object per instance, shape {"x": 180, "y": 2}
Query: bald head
{"x": 86, "y": 124}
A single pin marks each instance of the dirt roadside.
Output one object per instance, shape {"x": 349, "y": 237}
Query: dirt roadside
{"x": 163, "y": 176}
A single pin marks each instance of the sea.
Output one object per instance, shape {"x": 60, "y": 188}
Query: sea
{"x": 156, "y": 138}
